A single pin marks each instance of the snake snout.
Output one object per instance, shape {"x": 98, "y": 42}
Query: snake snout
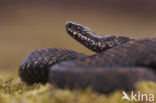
{"x": 73, "y": 28}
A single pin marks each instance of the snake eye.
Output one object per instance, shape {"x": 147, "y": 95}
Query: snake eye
{"x": 68, "y": 25}
{"x": 73, "y": 26}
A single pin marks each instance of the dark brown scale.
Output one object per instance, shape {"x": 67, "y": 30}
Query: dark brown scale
{"x": 35, "y": 67}
{"x": 100, "y": 79}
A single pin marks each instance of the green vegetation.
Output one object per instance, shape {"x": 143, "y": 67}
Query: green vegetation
{"x": 14, "y": 91}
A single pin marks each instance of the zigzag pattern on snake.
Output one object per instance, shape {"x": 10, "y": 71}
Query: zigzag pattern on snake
{"x": 119, "y": 63}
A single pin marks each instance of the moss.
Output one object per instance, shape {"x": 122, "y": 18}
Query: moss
{"x": 14, "y": 91}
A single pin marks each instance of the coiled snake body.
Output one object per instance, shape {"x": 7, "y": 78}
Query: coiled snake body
{"x": 119, "y": 63}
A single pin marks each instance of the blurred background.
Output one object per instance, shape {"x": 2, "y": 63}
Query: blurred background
{"x": 26, "y": 25}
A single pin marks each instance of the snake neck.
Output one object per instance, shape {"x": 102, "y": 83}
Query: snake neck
{"x": 92, "y": 40}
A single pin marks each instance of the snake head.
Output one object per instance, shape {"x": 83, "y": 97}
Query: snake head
{"x": 84, "y": 35}
{"x": 79, "y": 32}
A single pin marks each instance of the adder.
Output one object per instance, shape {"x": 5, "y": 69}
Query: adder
{"x": 119, "y": 62}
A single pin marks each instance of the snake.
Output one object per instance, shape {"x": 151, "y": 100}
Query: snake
{"x": 119, "y": 62}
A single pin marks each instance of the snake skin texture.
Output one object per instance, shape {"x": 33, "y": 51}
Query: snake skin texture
{"x": 35, "y": 67}
{"x": 134, "y": 53}
{"x": 100, "y": 79}
{"x": 117, "y": 68}
{"x": 119, "y": 63}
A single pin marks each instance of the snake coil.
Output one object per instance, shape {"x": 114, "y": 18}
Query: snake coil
{"x": 119, "y": 62}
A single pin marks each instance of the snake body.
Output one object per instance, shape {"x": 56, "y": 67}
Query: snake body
{"x": 119, "y": 63}
{"x": 35, "y": 67}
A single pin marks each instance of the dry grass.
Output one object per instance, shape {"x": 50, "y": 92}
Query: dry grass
{"x": 13, "y": 91}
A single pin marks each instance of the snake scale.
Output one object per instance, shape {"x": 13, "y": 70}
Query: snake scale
{"x": 118, "y": 64}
